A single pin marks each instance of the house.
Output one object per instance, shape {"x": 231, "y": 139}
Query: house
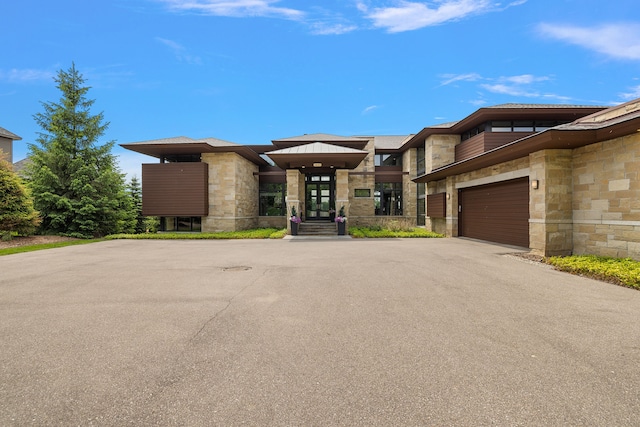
{"x": 558, "y": 179}
{"x": 6, "y": 143}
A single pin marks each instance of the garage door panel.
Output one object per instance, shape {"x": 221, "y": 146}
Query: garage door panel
{"x": 496, "y": 212}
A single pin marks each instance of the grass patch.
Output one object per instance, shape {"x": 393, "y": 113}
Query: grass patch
{"x": 378, "y": 232}
{"x": 621, "y": 271}
{"x": 31, "y": 248}
{"x": 258, "y": 233}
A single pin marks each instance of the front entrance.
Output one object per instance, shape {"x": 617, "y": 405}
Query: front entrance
{"x": 320, "y": 190}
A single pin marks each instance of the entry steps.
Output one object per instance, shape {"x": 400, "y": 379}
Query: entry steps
{"x": 317, "y": 228}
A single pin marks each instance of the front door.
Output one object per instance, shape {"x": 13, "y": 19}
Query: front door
{"x": 319, "y": 199}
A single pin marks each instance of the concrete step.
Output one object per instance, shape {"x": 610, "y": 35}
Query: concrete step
{"x": 317, "y": 229}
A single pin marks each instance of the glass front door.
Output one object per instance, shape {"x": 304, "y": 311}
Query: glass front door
{"x": 319, "y": 200}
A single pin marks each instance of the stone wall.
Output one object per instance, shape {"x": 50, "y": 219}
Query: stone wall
{"x": 409, "y": 188}
{"x": 550, "y": 205}
{"x": 362, "y": 177}
{"x": 440, "y": 150}
{"x": 606, "y": 198}
{"x": 233, "y": 193}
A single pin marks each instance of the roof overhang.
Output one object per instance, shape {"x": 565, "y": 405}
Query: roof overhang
{"x": 317, "y": 155}
{"x": 561, "y": 137}
{"x": 164, "y": 149}
{"x": 564, "y": 113}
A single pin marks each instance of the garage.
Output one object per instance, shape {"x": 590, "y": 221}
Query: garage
{"x": 497, "y": 212}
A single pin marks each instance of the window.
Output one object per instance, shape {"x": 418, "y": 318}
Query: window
{"x": 362, "y": 192}
{"x": 420, "y": 161}
{"x": 388, "y": 160}
{"x": 501, "y": 126}
{"x": 422, "y": 206}
{"x": 387, "y": 198}
{"x": 272, "y": 199}
{"x": 181, "y": 223}
{"x": 182, "y": 158}
{"x": 523, "y": 126}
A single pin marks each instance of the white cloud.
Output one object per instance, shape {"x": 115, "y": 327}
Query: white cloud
{"x": 620, "y": 40}
{"x": 236, "y": 8}
{"x": 25, "y": 75}
{"x": 633, "y": 94}
{"x": 370, "y": 109}
{"x": 525, "y": 79}
{"x": 453, "y": 78}
{"x": 409, "y": 15}
{"x": 325, "y": 29}
{"x": 180, "y": 51}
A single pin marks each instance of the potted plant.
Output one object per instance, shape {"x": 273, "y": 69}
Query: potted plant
{"x": 341, "y": 220}
{"x": 295, "y": 220}
{"x": 332, "y": 214}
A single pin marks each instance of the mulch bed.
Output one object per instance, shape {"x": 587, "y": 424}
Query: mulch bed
{"x": 32, "y": 240}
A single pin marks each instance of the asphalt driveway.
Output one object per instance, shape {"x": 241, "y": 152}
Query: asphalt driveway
{"x": 311, "y": 332}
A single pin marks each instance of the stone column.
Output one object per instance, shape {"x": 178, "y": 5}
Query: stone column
{"x": 295, "y": 194}
{"x": 550, "y": 205}
{"x": 342, "y": 191}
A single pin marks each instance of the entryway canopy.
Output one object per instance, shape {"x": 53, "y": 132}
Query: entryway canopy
{"x": 317, "y": 155}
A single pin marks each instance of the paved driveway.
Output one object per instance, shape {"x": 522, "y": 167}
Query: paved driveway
{"x": 311, "y": 332}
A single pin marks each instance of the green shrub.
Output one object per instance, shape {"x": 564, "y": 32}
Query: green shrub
{"x": 622, "y": 271}
{"x": 259, "y": 233}
{"x": 371, "y": 232}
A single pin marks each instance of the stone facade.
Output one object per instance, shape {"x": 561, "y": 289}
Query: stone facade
{"x": 606, "y": 198}
{"x": 550, "y": 205}
{"x": 233, "y": 190}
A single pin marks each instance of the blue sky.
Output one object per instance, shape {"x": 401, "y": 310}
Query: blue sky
{"x": 250, "y": 71}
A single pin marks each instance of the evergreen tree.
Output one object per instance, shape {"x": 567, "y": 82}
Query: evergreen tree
{"x": 16, "y": 206}
{"x": 135, "y": 193}
{"x": 76, "y": 184}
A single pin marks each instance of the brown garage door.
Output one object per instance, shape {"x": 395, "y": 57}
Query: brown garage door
{"x": 496, "y": 212}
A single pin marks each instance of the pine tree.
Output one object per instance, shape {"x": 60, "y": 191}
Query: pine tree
{"x": 76, "y": 184}
{"x": 16, "y": 206}
{"x": 135, "y": 193}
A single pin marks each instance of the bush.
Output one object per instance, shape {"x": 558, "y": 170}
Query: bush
{"x": 371, "y": 232}
{"x": 259, "y": 233}
{"x": 621, "y": 271}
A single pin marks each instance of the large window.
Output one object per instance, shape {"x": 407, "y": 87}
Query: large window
{"x": 272, "y": 199}
{"x": 387, "y": 198}
{"x": 388, "y": 160}
{"x": 422, "y": 206}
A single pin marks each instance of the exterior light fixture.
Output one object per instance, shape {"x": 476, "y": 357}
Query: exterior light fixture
{"x": 534, "y": 184}
{"x": 448, "y": 196}
{"x": 317, "y": 165}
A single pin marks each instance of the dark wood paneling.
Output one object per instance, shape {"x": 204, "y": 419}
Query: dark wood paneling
{"x": 496, "y": 212}
{"x": 272, "y": 175}
{"x": 175, "y": 189}
{"x": 389, "y": 173}
{"x": 437, "y": 205}
{"x": 485, "y": 141}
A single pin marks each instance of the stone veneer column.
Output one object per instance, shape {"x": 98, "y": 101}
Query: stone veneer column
{"x": 550, "y": 206}
{"x": 233, "y": 189}
{"x": 295, "y": 194}
{"x": 440, "y": 150}
{"x": 409, "y": 188}
{"x": 342, "y": 191}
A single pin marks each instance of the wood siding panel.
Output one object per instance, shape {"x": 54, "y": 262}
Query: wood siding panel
{"x": 496, "y": 212}
{"x": 437, "y": 205}
{"x": 175, "y": 189}
{"x": 389, "y": 173}
{"x": 484, "y": 142}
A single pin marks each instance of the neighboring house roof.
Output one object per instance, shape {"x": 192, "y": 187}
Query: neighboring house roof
{"x": 6, "y": 134}
{"x": 601, "y": 126}
{"x": 20, "y": 166}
